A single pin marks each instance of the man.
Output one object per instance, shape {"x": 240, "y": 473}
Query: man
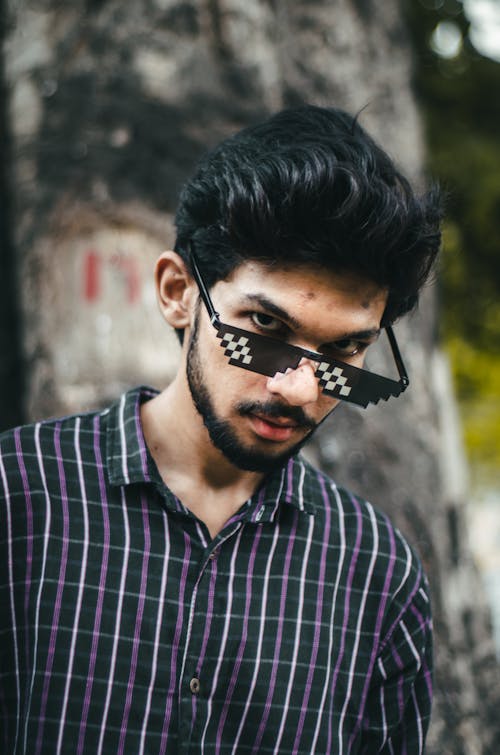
{"x": 175, "y": 576}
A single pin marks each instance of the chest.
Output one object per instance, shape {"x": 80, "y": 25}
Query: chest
{"x": 267, "y": 634}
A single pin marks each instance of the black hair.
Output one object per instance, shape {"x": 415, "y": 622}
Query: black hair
{"x": 309, "y": 185}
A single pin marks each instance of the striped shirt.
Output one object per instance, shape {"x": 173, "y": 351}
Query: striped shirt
{"x": 302, "y": 627}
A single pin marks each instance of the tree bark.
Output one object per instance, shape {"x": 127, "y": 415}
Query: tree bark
{"x": 111, "y": 103}
{"x": 11, "y": 372}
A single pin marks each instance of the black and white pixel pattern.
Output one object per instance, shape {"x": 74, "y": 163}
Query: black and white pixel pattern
{"x": 235, "y": 347}
{"x": 333, "y": 379}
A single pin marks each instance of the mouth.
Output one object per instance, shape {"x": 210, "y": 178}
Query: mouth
{"x": 277, "y": 429}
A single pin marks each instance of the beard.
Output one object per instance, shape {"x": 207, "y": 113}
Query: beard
{"x": 222, "y": 434}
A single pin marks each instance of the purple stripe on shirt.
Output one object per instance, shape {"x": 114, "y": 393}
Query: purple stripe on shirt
{"x": 118, "y": 615}
{"x": 319, "y": 612}
{"x": 279, "y": 634}
{"x": 159, "y": 618}
{"x": 425, "y": 627}
{"x": 60, "y": 589}
{"x": 81, "y": 586}
{"x": 175, "y": 644}
{"x": 376, "y": 634}
{"x": 406, "y": 605}
{"x": 243, "y": 641}
{"x": 345, "y": 623}
{"x": 401, "y": 680}
{"x": 225, "y": 631}
{"x": 138, "y": 624}
{"x": 29, "y": 542}
{"x": 400, "y": 665}
{"x": 102, "y": 586}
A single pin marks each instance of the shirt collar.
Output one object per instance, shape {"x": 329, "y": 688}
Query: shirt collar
{"x": 127, "y": 454}
{"x": 288, "y": 485}
{"x": 128, "y": 461}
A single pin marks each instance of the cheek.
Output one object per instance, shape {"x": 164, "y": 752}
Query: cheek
{"x": 232, "y": 383}
{"x": 326, "y": 405}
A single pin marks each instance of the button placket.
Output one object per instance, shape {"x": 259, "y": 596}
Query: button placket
{"x": 196, "y": 685}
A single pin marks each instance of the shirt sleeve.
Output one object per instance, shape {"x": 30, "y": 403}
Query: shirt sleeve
{"x": 400, "y": 696}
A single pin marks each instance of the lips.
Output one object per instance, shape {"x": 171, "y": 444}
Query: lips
{"x": 277, "y": 429}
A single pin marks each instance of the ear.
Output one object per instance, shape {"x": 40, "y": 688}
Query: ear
{"x": 175, "y": 289}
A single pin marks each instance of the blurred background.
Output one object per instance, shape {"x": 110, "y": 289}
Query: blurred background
{"x": 105, "y": 107}
{"x": 457, "y": 82}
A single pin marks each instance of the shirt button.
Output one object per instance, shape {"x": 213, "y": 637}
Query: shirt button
{"x": 213, "y": 555}
{"x": 194, "y": 685}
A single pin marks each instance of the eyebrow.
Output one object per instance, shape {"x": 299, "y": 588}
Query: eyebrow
{"x": 275, "y": 309}
{"x": 361, "y": 335}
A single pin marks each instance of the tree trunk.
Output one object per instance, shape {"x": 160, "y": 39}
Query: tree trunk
{"x": 111, "y": 103}
{"x": 11, "y": 381}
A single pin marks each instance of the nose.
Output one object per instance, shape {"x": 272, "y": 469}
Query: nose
{"x": 297, "y": 387}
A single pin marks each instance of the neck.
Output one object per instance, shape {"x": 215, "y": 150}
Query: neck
{"x": 189, "y": 464}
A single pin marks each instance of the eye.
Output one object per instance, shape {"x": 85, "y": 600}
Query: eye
{"x": 266, "y": 323}
{"x": 348, "y": 347}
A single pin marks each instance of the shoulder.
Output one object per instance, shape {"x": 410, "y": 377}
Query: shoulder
{"x": 325, "y": 498}
{"x": 372, "y": 547}
{"x": 35, "y": 455}
{"x": 26, "y": 451}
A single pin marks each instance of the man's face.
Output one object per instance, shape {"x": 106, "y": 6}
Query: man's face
{"x": 257, "y": 422}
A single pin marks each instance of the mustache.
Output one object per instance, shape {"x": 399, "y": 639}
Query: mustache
{"x": 275, "y": 409}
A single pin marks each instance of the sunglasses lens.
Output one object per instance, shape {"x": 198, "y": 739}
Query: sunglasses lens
{"x": 334, "y": 380}
{"x": 257, "y": 353}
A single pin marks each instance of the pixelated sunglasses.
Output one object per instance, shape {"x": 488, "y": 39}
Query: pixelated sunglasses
{"x": 267, "y": 356}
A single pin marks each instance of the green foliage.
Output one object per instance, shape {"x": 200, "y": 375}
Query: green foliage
{"x": 461, "y": 103}
{"x": 477, "y": 376}
{"x": 477, "y": 373}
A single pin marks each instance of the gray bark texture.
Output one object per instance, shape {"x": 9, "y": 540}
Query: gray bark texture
{"x": 110, "y": 105}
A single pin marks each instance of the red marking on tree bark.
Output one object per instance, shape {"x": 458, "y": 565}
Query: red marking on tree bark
{"x": 91, "y": 269}
{"x": 133, "y": 280}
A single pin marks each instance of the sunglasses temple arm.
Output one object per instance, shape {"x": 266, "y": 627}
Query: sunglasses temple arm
{"x": 403, "y": 375}
{"x": 214, "y": 316}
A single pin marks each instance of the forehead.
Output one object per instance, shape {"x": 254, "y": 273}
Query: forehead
{"x": 304, "y": 290}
